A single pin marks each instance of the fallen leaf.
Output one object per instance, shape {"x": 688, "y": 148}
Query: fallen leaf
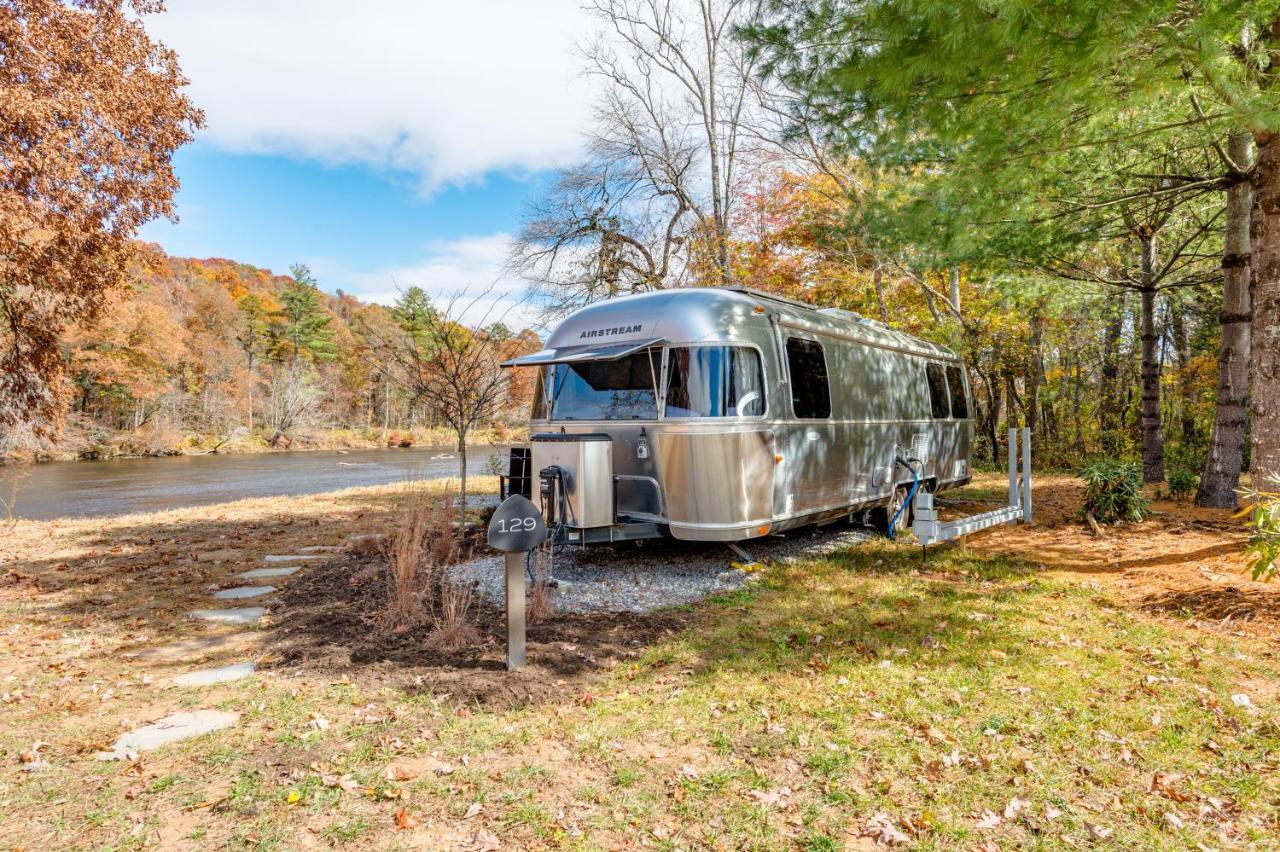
{"x": 1016, "y": 805}
{"x": 404, "y": 821}
{"x": 1097, "y": 832}
{"x": 1172, "y": 820}
{"x": 770, "y": 797}
{"x": 1050, "y": 812}
{"x": 483, "y": 841}
{"x": 1242, "y": 700}
{"x": 400, "y": 773}
{"x": 474, "y": 810}
{"x": 988, "y": 819}
{"x": 884, "y": 829}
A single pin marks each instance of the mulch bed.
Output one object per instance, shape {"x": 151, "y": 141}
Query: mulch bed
{"x": 329, "y": 622}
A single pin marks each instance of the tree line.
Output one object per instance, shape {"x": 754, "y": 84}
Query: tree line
{"x": 216, "y": 348}
{"x": 1082, "y": 200}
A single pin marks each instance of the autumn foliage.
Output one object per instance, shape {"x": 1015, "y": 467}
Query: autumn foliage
{"x": 91, "y": 111}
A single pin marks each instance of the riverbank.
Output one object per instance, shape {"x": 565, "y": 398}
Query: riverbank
{"x": 81, "y": 445}
{"x": 1037, "y": 687}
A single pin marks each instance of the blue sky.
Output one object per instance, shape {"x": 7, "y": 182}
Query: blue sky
{"x": 384, "y": 147}
{"x": 347, "y": 221}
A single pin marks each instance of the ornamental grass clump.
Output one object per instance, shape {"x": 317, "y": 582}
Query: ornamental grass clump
{"x": 420, "y": 591}
{"x": 1113, "y": 491}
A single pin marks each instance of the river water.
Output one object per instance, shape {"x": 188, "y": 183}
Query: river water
{"x": 123, "y": 486}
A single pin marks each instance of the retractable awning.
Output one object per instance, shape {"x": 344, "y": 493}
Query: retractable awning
{"x": 574, "y": 354}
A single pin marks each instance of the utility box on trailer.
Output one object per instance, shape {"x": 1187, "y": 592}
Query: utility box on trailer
{"x": 582, "y": 493}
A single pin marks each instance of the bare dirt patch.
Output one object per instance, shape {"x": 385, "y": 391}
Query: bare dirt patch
{"x": 331, "y": 622}
{"x": 1182, "y": 561}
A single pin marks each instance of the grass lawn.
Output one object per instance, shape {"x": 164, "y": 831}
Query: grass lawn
{"x": 976, "y": 701}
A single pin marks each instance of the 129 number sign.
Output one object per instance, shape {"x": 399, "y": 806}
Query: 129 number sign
{"x": 516, "y": 526}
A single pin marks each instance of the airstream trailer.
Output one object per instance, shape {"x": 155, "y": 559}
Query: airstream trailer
{"x": 722, "y": 414}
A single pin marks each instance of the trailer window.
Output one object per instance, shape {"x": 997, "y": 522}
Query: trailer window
{"x": 807, "y": 367}
{"x": 714, "y": 381}
{"x": 959, "y": 404}
{"x": 621, "y": 389}
{"x": 937, "y": 391}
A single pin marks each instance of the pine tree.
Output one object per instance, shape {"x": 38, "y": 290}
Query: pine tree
{"x": 300, "y": 328}
{"x": 999, "y": 87}
{"x": 415, "y": 314}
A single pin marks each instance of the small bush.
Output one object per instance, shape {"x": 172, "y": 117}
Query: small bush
{"x": 493, "y": 465}
{"x": 1113, "y": 491}
{"x": 1264, "y": 519}
{"x": 1182, "y": 483}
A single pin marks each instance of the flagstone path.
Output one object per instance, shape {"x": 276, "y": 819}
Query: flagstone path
{"x": 181, "y": 726}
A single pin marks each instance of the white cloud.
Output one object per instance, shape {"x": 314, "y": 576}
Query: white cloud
{"x": 448, "y": 90}
{"x": 469, "y": 271}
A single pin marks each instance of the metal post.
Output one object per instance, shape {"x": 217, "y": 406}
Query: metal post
{"x": 515, "y": 610}
{"x": 1013, "y": 468}
{"x": 1026, "y": 475}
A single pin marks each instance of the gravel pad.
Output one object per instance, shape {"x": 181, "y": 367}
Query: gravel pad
{"x": 651, "y": 575}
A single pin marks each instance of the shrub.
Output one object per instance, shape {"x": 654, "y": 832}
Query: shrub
{"x": 1113, "y": 491}
{"x": 1264, "y": 518}
{"x": 493, "y": 465}
{"x": 1181, "y": 483}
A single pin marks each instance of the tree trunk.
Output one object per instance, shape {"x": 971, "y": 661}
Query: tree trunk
{"x": 462, "y": 477}
{"x": 878, "y": 278}
{"x": 1152, "y": 435}
{"x": 1035, "y": 370}
{"x": 955, "y": 289}
{"x": 1225, "y": 458}
{"x": 1075, "y": 405}
{"x": 1187, "y": 432}
{"x": 1265, "y": 351}
{"x": 1108, "y": 407}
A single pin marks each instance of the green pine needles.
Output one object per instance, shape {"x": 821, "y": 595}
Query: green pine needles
{"x": 1113, "y": 491}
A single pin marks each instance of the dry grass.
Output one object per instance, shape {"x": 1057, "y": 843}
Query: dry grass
{"x": 419, "y": 551}
{"x": 1023, "y": 699}
{"x": 541, "y": 603}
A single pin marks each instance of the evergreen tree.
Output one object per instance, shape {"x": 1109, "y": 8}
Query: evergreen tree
{"x": 301, "y": 327}
{"x": 995, "y": 89}
{"x": 415, "y": 314}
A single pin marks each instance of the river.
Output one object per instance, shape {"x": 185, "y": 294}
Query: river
{"x": 123, "y": 486}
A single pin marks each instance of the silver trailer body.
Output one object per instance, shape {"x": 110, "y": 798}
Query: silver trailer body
{"x": 716, "y": 414}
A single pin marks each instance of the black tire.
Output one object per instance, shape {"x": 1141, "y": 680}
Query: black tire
{"x": 881, "y": 516}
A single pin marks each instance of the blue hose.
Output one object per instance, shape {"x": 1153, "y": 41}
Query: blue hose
{"x": 915, "y": 483}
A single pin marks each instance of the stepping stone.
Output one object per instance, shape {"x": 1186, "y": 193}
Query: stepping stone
{"x": 321, "y": 548}
{"x": 184, "y": 649}
{"x": 208, "y": 677}
{"x": 238, "y": 615}
{"x": 294, "y": 558}
{"x": 263, "y": 573}
{"x": 243, "y": 592}
{"x": 170, "y": 729}
{"x": 225, "y": 554}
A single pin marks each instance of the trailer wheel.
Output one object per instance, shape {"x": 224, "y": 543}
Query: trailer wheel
{"x": 880, "y": 517}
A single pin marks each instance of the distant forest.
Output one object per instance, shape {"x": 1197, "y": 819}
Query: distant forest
{"x": 196, "y": 354}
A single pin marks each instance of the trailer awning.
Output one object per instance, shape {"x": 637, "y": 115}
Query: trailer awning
{"x": 574, "y": 354}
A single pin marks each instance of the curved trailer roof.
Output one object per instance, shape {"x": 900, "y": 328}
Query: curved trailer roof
{"x": 618, "y": 327}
